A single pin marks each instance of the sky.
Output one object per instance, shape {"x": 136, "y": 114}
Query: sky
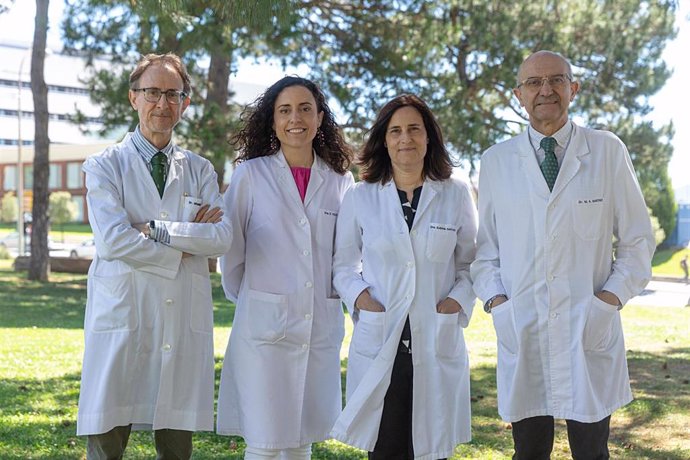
{"x": 17, "y": 25}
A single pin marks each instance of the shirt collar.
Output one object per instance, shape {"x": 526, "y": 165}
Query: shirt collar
{"x": 562, "y": 136}
{"x": 146, "y": 149}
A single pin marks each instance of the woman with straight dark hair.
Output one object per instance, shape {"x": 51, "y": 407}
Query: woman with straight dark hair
{"x": 280, "y": 383}
{"x": 404, "y": 243}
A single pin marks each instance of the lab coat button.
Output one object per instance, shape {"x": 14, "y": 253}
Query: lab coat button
{"x": 307, "y": 316}
{"x": 305, "y": 252}
{"x": 164, "y": 215}
{"x": 414, "y": 232}
{"x": 305, "y": 346}
{"x": 551, "y": 277}
{"x": 302, "y": 221}
{"x": 410, "y": 264}
{"x": 169, "y": 302}
{"x": 554, "y": 315}
{"x": 166, "y": 347}
{"x": 308, "y": 284}
{"x": 408, "y": 297}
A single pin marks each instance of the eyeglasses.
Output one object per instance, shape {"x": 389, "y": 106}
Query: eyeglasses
{"x": 173, "y": 96}
{"x": 554, "y": 81}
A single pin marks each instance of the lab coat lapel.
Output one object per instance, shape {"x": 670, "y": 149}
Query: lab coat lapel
{"x": 317, "y": 178}
{"x": 530, "y": 166}
{"x": 172, "y": 184}
{"x": 391, "y": 201}
{"x": 286, "y": 183}
{"x": 572, "y": 161}
{"x": 135, "y": 164}
{"x": 429, "y": 191}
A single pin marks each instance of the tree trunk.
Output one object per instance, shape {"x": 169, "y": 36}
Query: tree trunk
{"x": 39, "y": 264}
{"x": 215, "y": 109}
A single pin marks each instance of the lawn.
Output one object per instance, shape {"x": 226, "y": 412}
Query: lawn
{"x": 41, "y": 348}
{"x": 667, "y": 261}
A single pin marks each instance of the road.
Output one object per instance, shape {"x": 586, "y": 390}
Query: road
{"x": 663, "y": 294}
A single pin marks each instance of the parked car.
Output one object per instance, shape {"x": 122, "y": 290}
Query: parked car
{"x": 85, "y": 250}
{"x": 11, "y": 241}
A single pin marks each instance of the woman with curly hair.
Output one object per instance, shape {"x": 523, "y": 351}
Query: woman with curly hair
{"x": 280, "y": 383}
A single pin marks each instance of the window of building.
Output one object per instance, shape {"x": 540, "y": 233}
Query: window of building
{"x": 9, "y": 177}
{"x": 28, "y": 177}
{"x": 75, "y": 178}
{"x": 55, "y": 177}
{"x": 79, "y": 201}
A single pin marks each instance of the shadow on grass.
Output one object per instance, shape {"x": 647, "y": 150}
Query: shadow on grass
{"x": 662, "y": 256}
{"x": 60, "y": 303}
{"x": 661, "y": 387}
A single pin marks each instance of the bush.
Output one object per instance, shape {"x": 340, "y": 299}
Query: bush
{"x": 4, "y": 253}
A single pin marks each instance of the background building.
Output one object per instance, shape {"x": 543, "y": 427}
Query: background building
{"x": 70, "y": 143}
{"x": 681, "y": 234}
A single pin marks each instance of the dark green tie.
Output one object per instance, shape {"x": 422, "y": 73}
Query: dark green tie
{"x": 549, "y": 167}
{"x": 158, "y": 170}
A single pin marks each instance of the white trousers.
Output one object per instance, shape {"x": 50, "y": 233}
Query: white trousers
{"x": 295, "y": 453}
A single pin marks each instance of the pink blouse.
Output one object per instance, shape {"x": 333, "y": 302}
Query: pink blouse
{"x": 301, "y": 176}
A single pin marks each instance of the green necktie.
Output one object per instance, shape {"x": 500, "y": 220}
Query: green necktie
{"x": 549, "y": 167}
{"x": 158, "y": 170}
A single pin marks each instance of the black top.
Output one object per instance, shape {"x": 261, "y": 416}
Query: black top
{"x": 409, "y": 211}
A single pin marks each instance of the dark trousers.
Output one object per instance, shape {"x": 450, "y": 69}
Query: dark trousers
{"x": 533, "y": 439}
{"x": 170, "y": 444}
{"x": 395, "y": 432}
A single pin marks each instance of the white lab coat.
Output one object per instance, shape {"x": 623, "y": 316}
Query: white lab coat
{"x": 409, "y": 273}
{"x": 148, "y": 357}
{"x": 560, "y": 348}
{"x": 280, "y": 383}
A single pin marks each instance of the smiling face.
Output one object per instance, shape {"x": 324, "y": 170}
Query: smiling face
{"x": 547, "y": 105}
{"x": 296, "y": 120}
{"x": 406, "y": 140}
{"x": 157, "y": 119}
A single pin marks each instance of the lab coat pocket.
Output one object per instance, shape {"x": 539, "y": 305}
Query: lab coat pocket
{"x": 112, "y": 308}
{"x": 588, "y": 218}
{"x": 448, "y": 335}
{"x": 190, "y": 206}
{"x": 598, "y": 331}
{"x": 267, "y": 316}
{"x": 368, "y": 335}
{"x": 201, "y": 304}
{"x": 504, "y": 324}
{"x": 441, "y": 242}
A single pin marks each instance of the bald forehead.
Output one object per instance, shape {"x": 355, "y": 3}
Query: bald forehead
{"x": 543, "y": 63}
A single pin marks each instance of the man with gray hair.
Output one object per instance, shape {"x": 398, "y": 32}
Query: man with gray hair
{"x": 564, "y": 242}
{"x": 155, "y": 210}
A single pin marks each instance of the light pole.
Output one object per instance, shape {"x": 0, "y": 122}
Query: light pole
{"x": 20, "y": 171}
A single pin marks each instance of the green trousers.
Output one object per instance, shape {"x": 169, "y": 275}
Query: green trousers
{"x": 170, "y": 444}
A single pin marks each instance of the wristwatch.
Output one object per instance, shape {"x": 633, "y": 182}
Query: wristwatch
{"x": 490, "y": 303}
{"x": 152, "y": 228}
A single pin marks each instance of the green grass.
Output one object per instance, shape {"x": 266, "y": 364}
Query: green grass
{"x": 41, "y": 343}
{"x": 667, "y": 261}
{"x": 68, "y": 232}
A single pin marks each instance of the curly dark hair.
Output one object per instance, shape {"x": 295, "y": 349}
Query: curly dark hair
{"x": 374, "y": 159}
{"x": 254, "y": 139}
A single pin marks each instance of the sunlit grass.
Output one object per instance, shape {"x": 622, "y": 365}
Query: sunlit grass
{"x": 41, "y": 345}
